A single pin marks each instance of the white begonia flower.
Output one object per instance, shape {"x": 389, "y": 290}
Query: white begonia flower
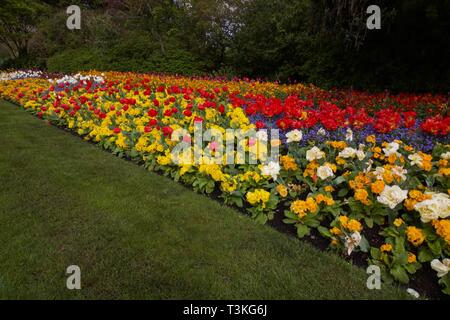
{"x": 379, "y": 171}
{"x": 416, "y": 159}
{"x": 314, "y": 154}
{"x": 5, "y": 76}
{"x": 442, "y": 268}
{"x": 261, "y": 135}
{"x": 321, "y": 132}
{"x": 400, "y": 172}
{"x": 294, "y": 136}
{"x": 446, "y": 156}
{"x": 352, "y": 242}
{"x": 347, "y": 153}
{"x": 325, "y": 172}
{"x": 413, "y": 292}
{"x": 436, "y": 207}
{"x": 271, "y": 169}
{"x": 369, "y": 166}
{"x": 428, "y": 209}
{"x": 392, "y": 196}
{"x": 77, "y": 78}
{"x": 444, "y": 202}
{"x": 349, "y": 135}
{"x": 391, "y": 148}
{"x": 360, "y": 155}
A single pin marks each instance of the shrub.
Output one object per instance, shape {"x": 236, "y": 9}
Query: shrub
{"x": 122, "y": 57}
{"x": 74, "y": 60}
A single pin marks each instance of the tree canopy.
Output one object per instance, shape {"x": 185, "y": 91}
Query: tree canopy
{"x": 18, "y": 21}
{"x": 324, "y": 42}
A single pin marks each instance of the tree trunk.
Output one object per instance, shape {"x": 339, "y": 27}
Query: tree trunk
{"x": 22, "y": 52}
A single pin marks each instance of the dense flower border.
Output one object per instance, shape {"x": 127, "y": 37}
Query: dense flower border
{"x": 342, "y": 170}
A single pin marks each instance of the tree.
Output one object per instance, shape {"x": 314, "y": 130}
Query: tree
{"x": 269, "y": 42}
{"x": 210, "y": 26}
{"x": 159, "y": 17}
{"x": 18, "y": 21}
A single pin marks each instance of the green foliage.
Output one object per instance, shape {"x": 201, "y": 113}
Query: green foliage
{"x": 74, "y": 60}
{"x": 18, "y": 18}
{"x": 318, "y": 42}
{"x": 22, "y": 62}
{"x": 327, "y": 44}
{"x": 175, "y": 61}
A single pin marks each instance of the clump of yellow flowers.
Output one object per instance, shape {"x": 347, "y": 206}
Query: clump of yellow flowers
{"x": 259, "y": 196}
{"x": 415, "y": 235}
{"x": 303, "y": 207}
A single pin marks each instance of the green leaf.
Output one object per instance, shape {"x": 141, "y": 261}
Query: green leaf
{"x": 369, "y": 222}
{"x": 375, "y": 253}
{"x": 261, "y": 218}
{"x": 238, "y": 201}
{"x": 302, "y": 230}
{"x": 290, "y": 215}
{"x": 343, "y": 192}
{"x": 429, "y": 179}
{"x": 399, "y": 274}
{"x": 339, "y": 180}
{"x": 364, "y": 244}
{"x": 238, "y": 193}
{"x": 425, "y": 255}
{"x": 435, "y": 247}
{"x": 313, "y": 223}
{"x": 324, "y": 231}
{"x": 412, "y": 267}
{"x": 446, "y": 282}
{"x": 379, "y": 220}
{"x": 400, "y": 258}
{"x": 446, "y": 290}
{"x": 134, "y": 153}
{"x": 385, "y": 258}
{"x": 289, "y": 221}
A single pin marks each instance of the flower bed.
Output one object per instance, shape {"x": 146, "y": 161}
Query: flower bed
{"x": 349, "y": 162}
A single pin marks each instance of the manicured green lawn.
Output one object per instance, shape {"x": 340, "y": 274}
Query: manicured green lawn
{"x": 136, "y": 234}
